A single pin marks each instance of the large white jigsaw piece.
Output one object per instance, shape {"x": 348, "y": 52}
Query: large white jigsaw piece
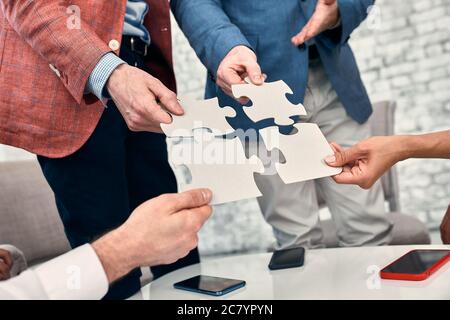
{"x": 269, "y": 101}
{"x": 199, "y": 114}
{"x": 220, "y": 165}
{"x": 303, "y": 151}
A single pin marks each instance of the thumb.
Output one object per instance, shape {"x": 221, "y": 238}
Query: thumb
{"x": 189, "y": 199}
{"x": 342, "y": 157}
{"x": 254, "y": 72}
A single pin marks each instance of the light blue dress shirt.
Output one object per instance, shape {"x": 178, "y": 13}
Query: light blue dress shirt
{"x": 134, "y": 20}
{"x": 133, "y": 26}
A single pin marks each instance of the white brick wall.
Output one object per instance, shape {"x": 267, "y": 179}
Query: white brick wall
{"x": 404, "y": 55}
{"x": 410, "y": 63}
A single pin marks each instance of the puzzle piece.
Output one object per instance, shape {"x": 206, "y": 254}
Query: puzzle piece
{"x": 220, "y": 165}
{"x": 200, "y": 114}
{"x": 304, "y": 152}
{"x": 269, "y": 101}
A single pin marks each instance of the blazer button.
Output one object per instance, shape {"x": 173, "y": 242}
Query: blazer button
{"x": 114, "y": 45}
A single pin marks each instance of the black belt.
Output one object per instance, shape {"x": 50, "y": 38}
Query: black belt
{"x": 136, "y": 45}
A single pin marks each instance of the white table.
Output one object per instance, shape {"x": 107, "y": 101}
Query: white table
{"x": 344, "y": 273}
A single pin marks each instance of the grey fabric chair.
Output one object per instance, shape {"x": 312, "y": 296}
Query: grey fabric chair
{"x": 407, "y": 229}
{"x": 28, "y": 216}
{"x": 29, "y": 219}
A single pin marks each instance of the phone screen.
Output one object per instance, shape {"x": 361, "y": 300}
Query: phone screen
{"x": 288, "y": 258}
{"x": 417, "y": 261}
{"x": 208, "y": 284}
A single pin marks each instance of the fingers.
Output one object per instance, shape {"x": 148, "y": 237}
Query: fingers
{"x": 300, "y": 37}
{"x": 135, "y": 94}
{"x": 253, "y": 70}
{"x": 238, "y": 64}
{"x": 6, "y": 257}
{"x": 304, "y": 35}
{"x": 346, "y": 177}
{"x": 359, "y": 174}
{"x": 198, "y": 216}
{"x": 144, "y": 113}
{"x": 158, "y": 114}
{"x": 230, "y": 78}
{"x": 187, "y": 200}
{"x": 147, "y": 118}
{"x": 354, "y": 170}
{"x": 167, "y": 97}
{"x": 336, "y": 147}
{"x": 227, "y": 78}
{"x": 245, "y": 100}
{"x": 325, "y": 16}
{"x": 4, "y": 271}
{"x": 350, "y": 177}
{"x": 342, "y": 157}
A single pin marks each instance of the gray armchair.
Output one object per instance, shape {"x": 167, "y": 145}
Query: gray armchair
{"x": 28, "y": 216}
{"x": 407, "y": 229}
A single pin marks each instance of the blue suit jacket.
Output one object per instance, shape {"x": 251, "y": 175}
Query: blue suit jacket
{"x": 214, "y": 27}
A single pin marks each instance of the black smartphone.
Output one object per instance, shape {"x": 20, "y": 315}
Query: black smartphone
{"x": 288, "y": 258}
{"x": 213, "y": 286}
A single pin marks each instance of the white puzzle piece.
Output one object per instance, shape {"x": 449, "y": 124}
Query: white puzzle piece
{"x": 269, "y": 101}
{"x": 304, "y": 152}
{"x": 220, "y": 165}
{"x": 200, "y": 114}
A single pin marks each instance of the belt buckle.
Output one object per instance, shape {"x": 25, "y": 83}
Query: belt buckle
{"x": 133, "y": 48}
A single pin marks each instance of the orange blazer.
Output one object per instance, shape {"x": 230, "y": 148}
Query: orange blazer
{"x": 46, "y": 57}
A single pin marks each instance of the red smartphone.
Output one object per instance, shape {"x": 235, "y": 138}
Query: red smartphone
{"x": 416, "y": 265}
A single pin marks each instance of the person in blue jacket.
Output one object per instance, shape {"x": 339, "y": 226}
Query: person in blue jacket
{"x": 304, "y": 43}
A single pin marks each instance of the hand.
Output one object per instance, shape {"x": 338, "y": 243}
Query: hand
{"x": 142, "y": 99}
{"x": 5, "y": 264}
{"x": 238, "y": 64}
{"x": 325, "y": 16}
{"x": 365, "y": 162}
{"x": 160, "y": 231}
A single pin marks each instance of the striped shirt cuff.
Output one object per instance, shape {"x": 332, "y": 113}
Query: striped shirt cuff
{"x": 100, "y": 75}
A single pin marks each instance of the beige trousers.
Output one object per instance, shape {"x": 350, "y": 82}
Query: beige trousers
{"x": 292, "y": 209}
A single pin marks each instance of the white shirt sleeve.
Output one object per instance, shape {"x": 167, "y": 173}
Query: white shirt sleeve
{"x": 75, "y": 275}
{"x": 19, "y": 263}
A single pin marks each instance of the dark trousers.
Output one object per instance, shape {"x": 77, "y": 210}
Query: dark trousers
{"x": 98, "y": 187}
